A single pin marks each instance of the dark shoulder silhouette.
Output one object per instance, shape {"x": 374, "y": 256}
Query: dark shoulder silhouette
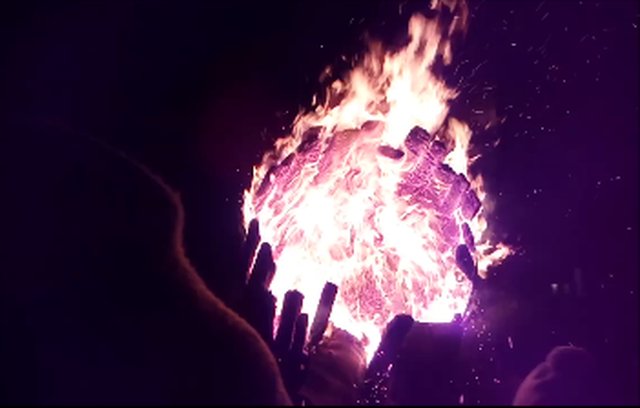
{"x": 98, "y": 302}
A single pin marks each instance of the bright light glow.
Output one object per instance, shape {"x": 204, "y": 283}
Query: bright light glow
{"x": 384, "y": 228}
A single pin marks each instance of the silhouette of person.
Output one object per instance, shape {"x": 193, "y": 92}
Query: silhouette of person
{"x": 98, "y": 302}
{"x": 566, "y": 377}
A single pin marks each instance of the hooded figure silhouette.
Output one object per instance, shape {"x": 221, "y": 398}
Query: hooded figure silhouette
{"x": 98, "y": 303}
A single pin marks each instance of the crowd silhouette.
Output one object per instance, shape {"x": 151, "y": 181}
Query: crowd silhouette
{"x": 103, "y": 307}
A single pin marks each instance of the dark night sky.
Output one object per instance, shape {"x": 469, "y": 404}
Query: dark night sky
{"x": 198, "y": 90}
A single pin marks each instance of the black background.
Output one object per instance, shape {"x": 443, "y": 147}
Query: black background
{"x": 198, "y": 90}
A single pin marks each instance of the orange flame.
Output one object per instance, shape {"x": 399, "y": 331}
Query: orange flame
{"x": 330, "y": 204}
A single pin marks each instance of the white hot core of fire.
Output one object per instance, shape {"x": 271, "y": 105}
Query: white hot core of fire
{"x": 334, "y": 210}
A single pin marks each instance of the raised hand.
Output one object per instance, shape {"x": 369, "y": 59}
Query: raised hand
{"x": 258, "y": 307}
{"x": 374, "y": 388}
{"x": 289, "y": 343}
{"x": 426, "y": 370}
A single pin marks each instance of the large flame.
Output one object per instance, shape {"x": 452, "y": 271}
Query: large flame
{"x": 349, "y": 198}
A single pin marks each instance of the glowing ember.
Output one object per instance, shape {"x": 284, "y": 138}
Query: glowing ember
{"x": 372, "y": 192}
